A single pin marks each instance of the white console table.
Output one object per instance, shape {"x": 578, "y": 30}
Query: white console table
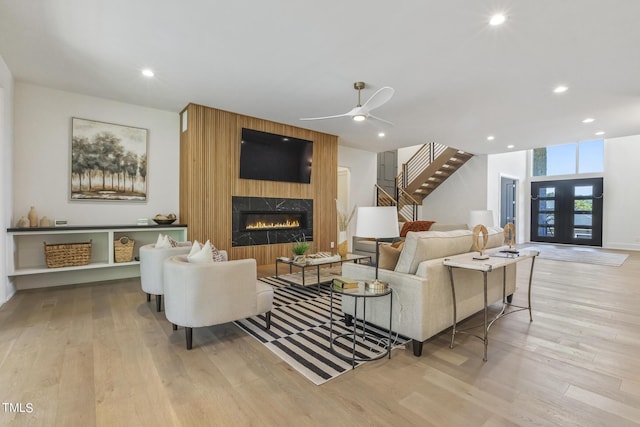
{"x": 497, "y": 260}
{"x": 25, "y": 247}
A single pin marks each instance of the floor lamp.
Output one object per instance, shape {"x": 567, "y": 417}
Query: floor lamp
{"x": 378, "y": 222}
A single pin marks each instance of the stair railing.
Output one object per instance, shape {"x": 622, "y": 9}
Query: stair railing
{"x": 383, "y": 198}
{"x": 418, "y": 163}
{"x": 407, "y": 206}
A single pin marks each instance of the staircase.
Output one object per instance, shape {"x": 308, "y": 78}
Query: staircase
{"x": 407, "y": 205}
{"x": 429, "y": 167}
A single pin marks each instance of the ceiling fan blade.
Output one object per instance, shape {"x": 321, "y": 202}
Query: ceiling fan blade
{"x": 371, "y": 116}
{"x": 326, "y": 117}
{"x": 381, "y": 96}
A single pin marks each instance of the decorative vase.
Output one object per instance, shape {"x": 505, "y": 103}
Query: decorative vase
{"x": 343, "y": 248}
{"x": 343, "y": 245}
{"x": 45, "y": 222}
{"x": 33, "y": 217}
{"x": 23, "y": 222}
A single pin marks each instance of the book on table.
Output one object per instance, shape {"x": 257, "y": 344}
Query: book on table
{"x": 344, "y": 283}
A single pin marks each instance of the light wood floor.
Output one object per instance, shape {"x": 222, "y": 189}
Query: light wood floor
{"x": 100, "y": 355}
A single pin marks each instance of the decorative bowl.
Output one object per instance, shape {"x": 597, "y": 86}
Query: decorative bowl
{"x": 164, "y": 221}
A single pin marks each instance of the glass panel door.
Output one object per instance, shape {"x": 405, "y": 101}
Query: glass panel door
{"x": 587, "y": 213}
{"x": 543, "y": 212}
{"x": 508, "y": 197}
{"x": 567, "y": 211}
{"x": 583, "y": 212}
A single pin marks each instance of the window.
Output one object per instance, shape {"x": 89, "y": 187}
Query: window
{"x": 591, "y": 154}
{"x": 569, "y": 159}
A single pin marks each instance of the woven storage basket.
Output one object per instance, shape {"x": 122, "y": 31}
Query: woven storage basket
{"x": 67, "y": 254}
{"x": 123, "y": 248}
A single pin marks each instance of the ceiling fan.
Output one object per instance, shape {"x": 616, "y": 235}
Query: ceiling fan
{"x": 362, "y": 112}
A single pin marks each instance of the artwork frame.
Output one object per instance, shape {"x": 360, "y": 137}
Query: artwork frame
{"x": 108, "y": 162}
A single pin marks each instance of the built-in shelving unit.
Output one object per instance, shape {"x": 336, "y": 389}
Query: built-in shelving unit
{"x": 25, "y": 248}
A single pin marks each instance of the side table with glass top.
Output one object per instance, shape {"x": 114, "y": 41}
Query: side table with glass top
{"x": 354, "y": 338}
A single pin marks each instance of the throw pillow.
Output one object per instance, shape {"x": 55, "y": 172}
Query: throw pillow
{"x": 163, "y": 242}
{"x": 204, "y": 255}
{"x": 398, "y": 245}
{"x": 415, "y": 226}
{"x": 388, "y": 257}
{"x": 200, "y": 252}
{"x": 216, "y": 254}
{"x": 195, "y": 248}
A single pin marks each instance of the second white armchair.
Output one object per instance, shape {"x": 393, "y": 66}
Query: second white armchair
{"x": 151, "y": 276}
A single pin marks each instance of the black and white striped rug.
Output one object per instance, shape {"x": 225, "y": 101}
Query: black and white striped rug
{"x": 299, "y": 332}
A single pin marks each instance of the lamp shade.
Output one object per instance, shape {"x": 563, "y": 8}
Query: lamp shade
{"x": 481, "y": 217}
{"x": 377, "y": 222}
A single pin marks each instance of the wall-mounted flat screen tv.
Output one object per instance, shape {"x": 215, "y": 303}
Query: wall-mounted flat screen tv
{"x": 271, "y": 157}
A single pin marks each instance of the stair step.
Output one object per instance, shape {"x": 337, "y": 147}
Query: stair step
{"x": 447, "y": 162}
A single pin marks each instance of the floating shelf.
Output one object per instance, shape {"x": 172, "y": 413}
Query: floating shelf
{"x": 25, "y": 246}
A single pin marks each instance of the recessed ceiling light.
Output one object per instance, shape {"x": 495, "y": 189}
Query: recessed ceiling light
{"x": 600, "y": 132}
{"x": 560, "y": 89}
{"x": 147, "y": 72}
{"x": 510, "y": 146}
{"x": 381, "y": 134}
{"x": 497, "y": 19}
{"x": 491, "y": 138}
{"x": 588, "y": 120}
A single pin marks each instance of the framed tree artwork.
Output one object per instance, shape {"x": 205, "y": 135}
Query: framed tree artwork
{"x": 108, "y": 161}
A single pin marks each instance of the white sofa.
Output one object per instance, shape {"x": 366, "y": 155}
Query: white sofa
{"x": 422, "y": 299}
{"x": 367, "y": 247}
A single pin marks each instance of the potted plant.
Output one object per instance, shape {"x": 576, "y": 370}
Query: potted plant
{"x": 299, "y": 248}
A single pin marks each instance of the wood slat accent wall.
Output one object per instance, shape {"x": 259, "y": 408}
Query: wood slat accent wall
{"x": 209, "y": 177}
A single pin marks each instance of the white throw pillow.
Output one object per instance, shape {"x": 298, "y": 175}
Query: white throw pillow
{"x": 195, "y": 248}
{"x": 205, "y": 255}
{"x": 163, "y": 242}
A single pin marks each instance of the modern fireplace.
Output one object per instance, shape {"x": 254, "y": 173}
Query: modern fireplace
{"x": 268, "y": 220}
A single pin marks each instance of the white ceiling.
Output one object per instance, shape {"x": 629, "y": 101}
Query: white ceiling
{"x": 457, "y": 79}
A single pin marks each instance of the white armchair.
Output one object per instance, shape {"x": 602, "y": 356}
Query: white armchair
{"x": 207, "y": 294}
{"x": 151, "y": 276}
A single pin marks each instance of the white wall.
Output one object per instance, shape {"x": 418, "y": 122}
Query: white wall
{"x": 621, "y": 228}
{"x": 42, "y": 156}
{"x": 362, "y": 167}
{"x": 462, "y": 192}
{"x": 7, "y": 288}
{"x": 511, "y": 165}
